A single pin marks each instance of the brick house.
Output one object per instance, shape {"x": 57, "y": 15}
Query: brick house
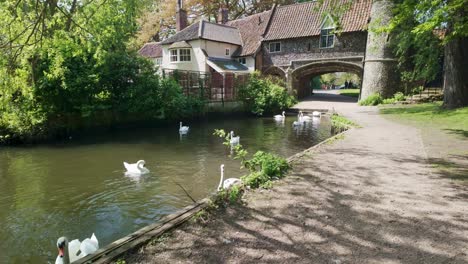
{"x": 294, "y": 42}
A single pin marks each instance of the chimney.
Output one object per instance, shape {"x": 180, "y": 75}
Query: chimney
{"x": 223, "y": 15}
{"x": 181, "y": 17}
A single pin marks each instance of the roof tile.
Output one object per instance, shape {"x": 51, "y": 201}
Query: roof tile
{"x": 151, "y": 50}
{"x": 304, "y": 19}
{"x": 251, "y": 29}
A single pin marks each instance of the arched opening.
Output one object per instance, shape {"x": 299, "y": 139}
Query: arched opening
{"x": 304, "y": 78}
{"x": 276, "y": 72}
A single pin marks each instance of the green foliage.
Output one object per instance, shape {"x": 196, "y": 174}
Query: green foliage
{"x": 350, "y": 92}
{"x": 66, "y": 62}
{"x": 267, "y": 163}
{"x": 397, "y": 97}
{"x": 452, "y": 121}
{"x": 341, "y": 123}
{"x": 373, "y": 99}
{"x": 263, "y": 166}
{"x": 264, "y": 95}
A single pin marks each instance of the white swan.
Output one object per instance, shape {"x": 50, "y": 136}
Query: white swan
{"x": 279, "y": 117}
{"x": 316, "y": 114}
{"x": 183, "y": 129}
{"x": 136, "y": 168}
{"x": 304, "y": 118}
{"x": 234, "y": 140}
{"x": 299, "y": 121}
{"x": 228, "y": 183}
{"x": 68, "y": 252}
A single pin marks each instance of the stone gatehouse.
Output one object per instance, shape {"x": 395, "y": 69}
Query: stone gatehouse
{"x": 295, "y": 42}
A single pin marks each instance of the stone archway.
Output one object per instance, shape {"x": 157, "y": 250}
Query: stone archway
{"x": 298, "y": 79}
{"x": 275, "y": 71}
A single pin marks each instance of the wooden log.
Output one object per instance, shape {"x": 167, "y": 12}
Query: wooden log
{"x": 120, "y": 246}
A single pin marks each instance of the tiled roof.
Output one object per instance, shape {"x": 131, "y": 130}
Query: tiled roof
{"x": 180, "y": 44}
{"x": 188, "y": 33}
{"x": 304, "y": 19}
{"x": 219, "y": 32}
{"x": 251, "y": 29}
{"x": 207, "y": 30}
{"x": 151, "y": 50}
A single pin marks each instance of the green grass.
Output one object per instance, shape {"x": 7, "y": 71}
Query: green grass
{"x": 350, "y": 92}
{"x": 453, "y": 121}
{"x": 342, "y": 123}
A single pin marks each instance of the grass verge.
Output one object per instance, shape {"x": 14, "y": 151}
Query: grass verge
{"x": 454, "y": 121}
{"x": 350, "y": 92}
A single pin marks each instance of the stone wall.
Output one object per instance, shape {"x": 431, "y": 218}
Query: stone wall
{"x": 380, "y": 66}
{"x": 299, "y": 49}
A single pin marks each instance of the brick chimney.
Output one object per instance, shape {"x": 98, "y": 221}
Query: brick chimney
{"x": 223, "y": 15}
{"x": 181, "y": 16}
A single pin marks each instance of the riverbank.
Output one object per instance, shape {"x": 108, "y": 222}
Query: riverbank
{"x": 371, "y": 197}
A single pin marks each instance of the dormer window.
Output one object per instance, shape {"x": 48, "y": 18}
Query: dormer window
{"x": 327, "y": 33}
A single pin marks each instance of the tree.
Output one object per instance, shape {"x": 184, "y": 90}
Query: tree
{"x": 415, "y": 26}
{"x": 418, "y": 22}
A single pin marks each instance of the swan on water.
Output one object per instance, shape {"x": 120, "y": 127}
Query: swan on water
{"x": 234, "y": 140}
{"x": 136, "y": 168}
{"x": 183, "y": 129}
{"x": 70, "y": 252}
{"x": 299, "y": 121}
{"x": 316, "y": 114}
{"x": 304, "y": 118}
{"x": 279, "y": 117}
{"x": 228, "y": 183}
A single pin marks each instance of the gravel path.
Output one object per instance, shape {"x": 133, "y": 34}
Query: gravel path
{"x": 368, "y": 198}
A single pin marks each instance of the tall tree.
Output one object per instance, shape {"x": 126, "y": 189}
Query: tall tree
{"x": 420, "y": 21}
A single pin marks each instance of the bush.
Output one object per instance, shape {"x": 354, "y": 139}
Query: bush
{"x": 399, "y": 96}
{"x": 340, "y": 123}
{"x": 388, "y": 101}
{"x": 373, "y": 99}
{"x": 264, "y": 95}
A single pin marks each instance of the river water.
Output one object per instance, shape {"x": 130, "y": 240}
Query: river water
{"x": 78, "y": 187}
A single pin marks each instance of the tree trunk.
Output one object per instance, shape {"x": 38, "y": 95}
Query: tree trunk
{"x": 456, "y": 73}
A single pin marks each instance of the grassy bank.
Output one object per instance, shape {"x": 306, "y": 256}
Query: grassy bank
{"x": 350, "y": 92}
{"x": 444, "y": 134}
{"x": 431, "y": 114}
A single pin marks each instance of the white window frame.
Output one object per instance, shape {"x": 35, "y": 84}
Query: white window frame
{"x": 228, "y": 52}
{"x": 182, "y": 55}
{"x": 158, "y": 61}
{"x": 187, "y": 57}
{"x": 173, "y": 57}
{"x": 274, "y": 49}
{"x": 242, "y": 61}
{"x": 329, "y": 32}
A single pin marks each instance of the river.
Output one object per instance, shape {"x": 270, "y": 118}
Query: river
{"x": 76, "y": 187}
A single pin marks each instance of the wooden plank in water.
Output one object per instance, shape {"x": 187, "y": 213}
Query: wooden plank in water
{"x": 120, "y": 246}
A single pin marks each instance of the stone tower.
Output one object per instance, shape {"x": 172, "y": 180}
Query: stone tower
{"x": 380, "y": 66}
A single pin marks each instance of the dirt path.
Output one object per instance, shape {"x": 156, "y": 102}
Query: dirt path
{"x": 368, "y": 198}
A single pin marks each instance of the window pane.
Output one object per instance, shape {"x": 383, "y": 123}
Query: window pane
{"x": 184, "y": 55}
{"x": 323, "y": 41}
{"x": 272, "y": 47}
{"x": 278, "y": 47}
{"x": 330, "y": 40}
{"x": 173, "y": 55}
